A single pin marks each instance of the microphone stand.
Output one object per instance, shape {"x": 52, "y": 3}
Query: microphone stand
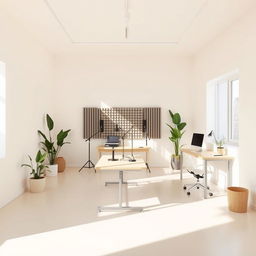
{"x": 133, "y": 158}
{"x": 89, "y": 161}
{"x": 147, "y": 139}
{"x": 123, "y": 137}
{"x": 147, "y": 153}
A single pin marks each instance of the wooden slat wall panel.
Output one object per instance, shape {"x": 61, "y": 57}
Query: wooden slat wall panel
{"x": 153, "y": 117}
{"x": 91, "y": 122}
{"x": 123, "y": 119}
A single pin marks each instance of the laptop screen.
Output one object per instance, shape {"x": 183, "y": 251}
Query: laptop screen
{"x": 197, "y": 139}
{"x": 113, "y": 139}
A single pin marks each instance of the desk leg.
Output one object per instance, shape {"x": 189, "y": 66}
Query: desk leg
{"x": 230, "y": 173}
{"x": 120, "y": 206}
{"x": 121, "y": 176}
{"x": 181, "y": 165}
{"x": 205, "y": 179}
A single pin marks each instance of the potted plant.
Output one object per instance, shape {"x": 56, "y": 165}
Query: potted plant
{"x": 219, "y": 143}
{"x": 37, "y": 179}
{"x": 176, "y": 134}
{"x": 50, "y": 147}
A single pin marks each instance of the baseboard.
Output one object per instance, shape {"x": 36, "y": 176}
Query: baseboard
{"x": 15, "y": 197}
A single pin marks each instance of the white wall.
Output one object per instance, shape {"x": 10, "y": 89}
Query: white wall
{"x": 121, "y": 76}
{"x": 28, "y": 93}
{"x": 233, "y": 49}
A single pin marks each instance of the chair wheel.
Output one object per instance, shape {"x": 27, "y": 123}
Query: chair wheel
{"x": 210, "y": 194}
{"x": 208, "y": 187}
{"x": 188, "y": 193}
{"x": 184, "y": 187}
{"x": 197, "y": 187}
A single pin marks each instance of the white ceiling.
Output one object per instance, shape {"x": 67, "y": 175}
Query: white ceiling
{"x": 104, "y": 21}
{"x": 183, "y": 25}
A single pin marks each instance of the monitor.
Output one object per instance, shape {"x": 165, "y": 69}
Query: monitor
{"x": 197, "y": 139}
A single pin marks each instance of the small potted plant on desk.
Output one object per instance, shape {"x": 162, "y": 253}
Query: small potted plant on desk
{"x": 176, "y": 130}
{"x": 219, "y": 143}
{"x": 55, "y": 163}
{"x": 220, "y": 147}
{"x": 37, "y": 179}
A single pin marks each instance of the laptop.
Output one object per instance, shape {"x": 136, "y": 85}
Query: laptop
{"x": 112, "y": 141}
{"x": 197, "y": 141}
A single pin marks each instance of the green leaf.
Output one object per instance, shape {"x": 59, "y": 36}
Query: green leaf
{"x": 50, "y": 122}
{"x": 171, "y": 114}
{"x": 172, "y": 139}
{"x": 38, "y": 156}
{"x": 61, "y": 137}
{"x": 169, "y": 126}
{"x": 181, "y": 126}
{"x": 26, "y": 165}
{"x": 39, "y": 132}
{"x": 176, "y": 118}
{"x": 175, "y": 133}
{"x": 48, "y": 145}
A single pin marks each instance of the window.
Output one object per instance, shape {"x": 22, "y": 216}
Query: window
{"x": 223, "y": 107}
{"x": 2, "y": 109}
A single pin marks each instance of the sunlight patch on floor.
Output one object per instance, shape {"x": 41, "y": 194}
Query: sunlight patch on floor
{"x": 122, "y": 233}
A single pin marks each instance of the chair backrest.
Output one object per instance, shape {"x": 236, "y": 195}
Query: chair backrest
{"x": 196, "y": 175}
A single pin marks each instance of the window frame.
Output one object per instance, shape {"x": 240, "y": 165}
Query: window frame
{"x": 228, "y": 80}
{"x": 230, "y": 104}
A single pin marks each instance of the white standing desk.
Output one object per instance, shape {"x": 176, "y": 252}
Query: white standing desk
{"x": 120, "y": 166}
{"x": 207, "y": 156}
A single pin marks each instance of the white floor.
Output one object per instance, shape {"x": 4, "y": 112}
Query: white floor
{"x": 64, "y": 219}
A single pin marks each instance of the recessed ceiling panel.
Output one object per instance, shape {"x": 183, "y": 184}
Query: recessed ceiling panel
{"x": 161, "y": 20}
{"x": 106, "y": 20}
{"x": 90, "y": 20}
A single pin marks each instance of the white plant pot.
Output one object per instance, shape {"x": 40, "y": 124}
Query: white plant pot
{"x": 37, "y": 185}
{"x": 52, "y": 170}
{"x": 175, "y": 162}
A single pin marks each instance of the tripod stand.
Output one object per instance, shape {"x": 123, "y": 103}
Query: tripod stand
{"x": 123, "y": 137}
{"x": 89, "y": 161}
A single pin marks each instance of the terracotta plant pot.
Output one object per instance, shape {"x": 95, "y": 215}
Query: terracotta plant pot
{"x": 60, "y": 161}
{"x": 37, "y": 185}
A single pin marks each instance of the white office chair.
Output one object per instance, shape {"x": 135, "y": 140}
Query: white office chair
{"x": 198, "y": 176}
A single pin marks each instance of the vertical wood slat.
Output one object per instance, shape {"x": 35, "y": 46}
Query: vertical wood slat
{"x": 153, "y": 118}
{"x": 91, "y": 122}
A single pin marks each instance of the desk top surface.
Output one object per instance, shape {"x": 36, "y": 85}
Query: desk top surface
{"x": 120, "y": 148}
{"x": 207, "y": 155}
{"x": 120, "y": 165}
